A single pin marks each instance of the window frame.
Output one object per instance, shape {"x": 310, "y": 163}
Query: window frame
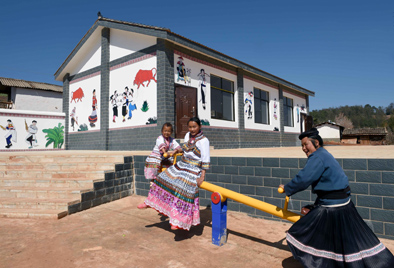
{"x": 221, "y": 90}
{"x": 286, "y": 109}
{"x": 259, "y": 100}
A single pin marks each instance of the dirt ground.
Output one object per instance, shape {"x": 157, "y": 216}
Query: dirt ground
{"x": 117, "y": 234}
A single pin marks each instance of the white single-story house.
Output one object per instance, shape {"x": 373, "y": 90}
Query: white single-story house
{"x": 330, "y": 131}
{"x": 124, "y": 80}
{"x": 28, "y": 95}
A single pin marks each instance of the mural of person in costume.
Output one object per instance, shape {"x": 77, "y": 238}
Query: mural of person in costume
{"x": 93, "y": 117}
{"x": 74, "y": 118}
{"x": 32, "y": 130}
{"x": 124, "y": 106}
{"x": 11, "y": 134}
{"x": 181, "y": 69}
{"x": 275, "y": 108}
{"x": 248, "y": 105}
{"x": 114, "y": 103}
{"x": 298, "y": 113}
{"x": 130, "y": 101}
{"x": 203, "y": 85}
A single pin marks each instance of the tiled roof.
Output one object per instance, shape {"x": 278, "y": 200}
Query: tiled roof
{"x": 10, "y": 82}
{"x": 365, "y": 131}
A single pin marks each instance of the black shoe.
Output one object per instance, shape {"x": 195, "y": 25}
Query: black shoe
{"x": 8, "y": 145}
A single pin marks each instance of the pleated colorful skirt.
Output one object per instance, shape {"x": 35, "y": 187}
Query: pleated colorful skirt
{"x": 175, "y": 194}
{"x": 336, "y": 237}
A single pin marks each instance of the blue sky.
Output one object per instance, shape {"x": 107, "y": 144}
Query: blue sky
{"x": 341, "y": 50}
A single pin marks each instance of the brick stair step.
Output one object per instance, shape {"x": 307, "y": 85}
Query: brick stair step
{"x": 28, "y": 213}
{"x": 32, "y": 203}
{"x": 70, "y": 166}
{"x": 41, "y": 193}
{"x": 57, "y": 166}
{"x": 80, "y": 183}
{"x": 45, "y": 174}
{"x": 62, "y": 158}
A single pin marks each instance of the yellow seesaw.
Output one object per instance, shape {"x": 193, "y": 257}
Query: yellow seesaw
{"x": 219, "y": 207}
{"x": 252, "y": 202}
{"x": 249, "y": 201}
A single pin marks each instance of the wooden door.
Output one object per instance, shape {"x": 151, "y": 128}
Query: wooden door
{"x": 186, "y": 107}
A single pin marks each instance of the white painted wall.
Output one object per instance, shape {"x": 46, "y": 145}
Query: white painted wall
{"x": 37, "y": 100}
{"x": 88, "y": 56}
{"x": 83, "y": 107}
{"x": 123, "y": 43}
{"x": 299, "y": 106}
{"x": 274, "y": 113}
{"x": 45, "y": 120}
{"x": 195, "y": 67}
{"x": 124, "y": 75}
{"x": 328, "y": 131}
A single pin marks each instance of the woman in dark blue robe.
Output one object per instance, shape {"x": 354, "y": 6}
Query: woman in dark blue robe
{"x": 332, "y": 234}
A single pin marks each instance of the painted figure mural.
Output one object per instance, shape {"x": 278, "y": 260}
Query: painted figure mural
{"x": 248, "y": 105}
{"x": 183, "y": 73}
{"x": 130, "y": 101}
{"x": 11, "y": 133}
{"x": 31, "y": 138}
{"x": 202, "y": 81}
{"x": 298, "y": 113}
{"x": 74, "y": 118}
{"x": 93, "y": 117}
{"x": 275, "y": 108}
{"x": 114, "y": 103}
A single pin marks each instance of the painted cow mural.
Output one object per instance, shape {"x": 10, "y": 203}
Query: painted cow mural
{"x": 143, "y": 76}
{"x": 77, "y": 95}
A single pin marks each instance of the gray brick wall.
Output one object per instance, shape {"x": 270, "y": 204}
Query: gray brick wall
{"x": 371, "y": 182}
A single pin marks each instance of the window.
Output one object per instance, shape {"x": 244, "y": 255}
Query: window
{"x": 288, "y": 111}
{"x": 261, "y": 107}
{"x": 222, "y": 98}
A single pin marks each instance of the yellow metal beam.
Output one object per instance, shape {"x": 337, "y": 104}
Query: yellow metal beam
{"x": 252, "y": 202}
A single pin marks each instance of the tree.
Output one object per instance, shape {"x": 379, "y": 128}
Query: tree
{"x": 342, "y": 120}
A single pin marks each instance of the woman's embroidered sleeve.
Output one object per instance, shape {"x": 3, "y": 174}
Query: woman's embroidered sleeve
{"x": 205, "y": 154}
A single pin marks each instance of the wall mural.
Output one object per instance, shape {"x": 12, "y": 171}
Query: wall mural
{"x": 11, "y": 135}
{"x": 22, "y": 130}
{"x": 275, "y": 109}
{"x": 183, "y": 72}
{"x": 143, "y": 76}
{"x": 55, "y": 135}
{"x": 203, "y": 84}
{"x": 205, "y": 122}
{"x": 93, "y": 116}
{"x": 248, "y": 104}
{"x": 137, "y": 105}
{"x": 84, "y": 103}
{"x": 196, "y": 73}
{"x": 31, "y": 138}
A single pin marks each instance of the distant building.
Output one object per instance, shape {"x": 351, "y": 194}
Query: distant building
{"x": 365, "y": 136}
{"x": 124, "y": 80}
{"x": 330, "y": 131}
{"x": 33, "y": 96}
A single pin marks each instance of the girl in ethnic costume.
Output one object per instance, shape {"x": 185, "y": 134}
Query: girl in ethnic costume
{"x": 175, "y": 191}
{"x": 332, "y": 234}
{"x": 164, "y": 144}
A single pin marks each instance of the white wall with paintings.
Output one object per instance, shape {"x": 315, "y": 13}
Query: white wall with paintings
{"x": 133, "y": 93}
{"x": 198, "y": 74}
